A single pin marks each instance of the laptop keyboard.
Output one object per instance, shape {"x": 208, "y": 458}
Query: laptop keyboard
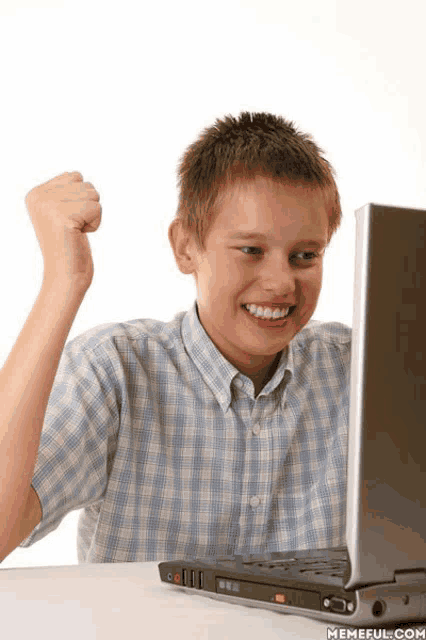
{"x": 319, "y": 565}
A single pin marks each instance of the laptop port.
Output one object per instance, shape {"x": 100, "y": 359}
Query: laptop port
{"x": 378, "y": 608}
{"x": 184, "y": 577}
{"x": 192, "y": 578}
{"x": 201, "y": 580}
{"x": 338, "y": 605}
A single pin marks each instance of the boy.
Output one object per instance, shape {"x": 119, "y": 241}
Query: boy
{"x": 223, "y": 431}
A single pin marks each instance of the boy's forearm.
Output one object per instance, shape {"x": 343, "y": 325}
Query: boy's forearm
{"x": 26, "y": 381}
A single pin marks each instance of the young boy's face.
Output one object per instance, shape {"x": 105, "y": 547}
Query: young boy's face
{"x": 264, "y": 249}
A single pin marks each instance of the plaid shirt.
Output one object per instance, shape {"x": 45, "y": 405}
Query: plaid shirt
{"x": 161, "y": 442}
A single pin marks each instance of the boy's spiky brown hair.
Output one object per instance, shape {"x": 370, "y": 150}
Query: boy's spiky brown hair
{"x": 236, "y": 151}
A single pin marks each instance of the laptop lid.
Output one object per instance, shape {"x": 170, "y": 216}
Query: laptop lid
{"x": 386, "y": 500}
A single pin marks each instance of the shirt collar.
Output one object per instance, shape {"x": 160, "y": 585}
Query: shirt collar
{"x": 216, "y": 371}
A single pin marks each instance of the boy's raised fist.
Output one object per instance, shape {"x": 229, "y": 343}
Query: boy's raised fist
{"x": 62, "y": 211}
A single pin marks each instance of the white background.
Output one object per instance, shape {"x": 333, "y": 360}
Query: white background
{"x": 118, "y": 90}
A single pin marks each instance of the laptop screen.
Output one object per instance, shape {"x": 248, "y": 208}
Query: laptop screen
{"x": 387, "y": 464}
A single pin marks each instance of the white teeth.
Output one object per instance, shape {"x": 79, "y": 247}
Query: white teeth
{"x": 266, "y": 312}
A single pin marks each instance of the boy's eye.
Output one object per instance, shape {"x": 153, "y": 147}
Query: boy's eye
{"x": 311, "y": 255}
{"x": 251, "y": 251}
{"x": 307, "y": 256}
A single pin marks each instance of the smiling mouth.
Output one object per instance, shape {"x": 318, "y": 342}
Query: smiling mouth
{"x": 278, "y": 316}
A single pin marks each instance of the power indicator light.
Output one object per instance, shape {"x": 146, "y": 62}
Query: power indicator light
{"x": 176, "y": 578}
{"x": 280, "y": 598}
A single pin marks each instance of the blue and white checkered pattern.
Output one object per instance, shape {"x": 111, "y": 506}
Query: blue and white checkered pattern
{"x": 162, "y": 443}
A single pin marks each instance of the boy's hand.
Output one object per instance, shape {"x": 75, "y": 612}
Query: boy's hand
{"x": 62, "y": 211}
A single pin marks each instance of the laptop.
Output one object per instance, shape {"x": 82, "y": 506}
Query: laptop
{"x": 379, "y": 578}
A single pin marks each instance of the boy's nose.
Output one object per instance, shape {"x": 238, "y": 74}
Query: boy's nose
{"x": 278, "y": 278}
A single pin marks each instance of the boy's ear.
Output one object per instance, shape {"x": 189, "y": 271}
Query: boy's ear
{"x": 183, "y": 246}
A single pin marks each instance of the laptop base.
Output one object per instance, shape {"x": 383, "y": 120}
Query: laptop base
{"x": 265, "y": 585}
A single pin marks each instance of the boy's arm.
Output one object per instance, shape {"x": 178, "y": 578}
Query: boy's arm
{"x": 62, "y": 211}
{"x": 31, "y": 518}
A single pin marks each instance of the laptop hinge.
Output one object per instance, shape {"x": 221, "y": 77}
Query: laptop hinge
{"x": 410, "y": 576}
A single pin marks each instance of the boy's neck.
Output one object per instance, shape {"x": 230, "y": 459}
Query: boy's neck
{"x": 261, "y": 378}
{"x": 259, "y": 374}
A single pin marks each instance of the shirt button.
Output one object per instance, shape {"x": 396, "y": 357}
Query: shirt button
{"x": 254, "y": 501}
{"x": 256, "y": 429}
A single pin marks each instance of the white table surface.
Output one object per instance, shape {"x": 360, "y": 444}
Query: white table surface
{"x": 126, "y": 601}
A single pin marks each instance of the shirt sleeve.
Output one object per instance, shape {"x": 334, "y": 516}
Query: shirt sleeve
{"x": 79, "y": 435}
